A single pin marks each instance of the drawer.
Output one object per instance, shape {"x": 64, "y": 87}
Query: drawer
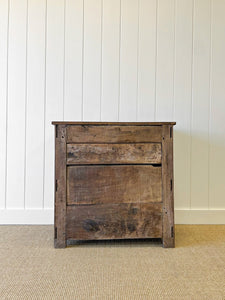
{"x": 113, "y": 134}
{"x": 114, "y": 153}
{"x": 114, "y": 221}
{"x": 114, "y": 184}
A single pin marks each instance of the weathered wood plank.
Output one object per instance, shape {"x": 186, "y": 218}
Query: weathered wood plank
{"x": 114, "y": 153}
{"x": 60, "y": 186}
{"x": 167, "y": 187}
{"x": 113, "y": 134}
{"x": 114, "y": 221}
{"x": 113, "y": 184}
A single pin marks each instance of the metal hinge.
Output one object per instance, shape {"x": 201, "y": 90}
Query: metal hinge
{"x": 56, "y": 131}
{"x": 172, "y": 233}
{"x": 171, "y": 184}
{"x": 171, "y": 132}
{"x": 55, "y": 232}
{"x": 56, "y": 185}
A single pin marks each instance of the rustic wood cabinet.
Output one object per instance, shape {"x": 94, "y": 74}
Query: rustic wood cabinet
{"x": 113, "y": 181}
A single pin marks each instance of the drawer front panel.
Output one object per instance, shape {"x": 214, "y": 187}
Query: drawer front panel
{"x": 114, "y": 153}
{"x": 113, "y": 184}
{"x": 113, "y": 134}
{"x": 114, "y": 221}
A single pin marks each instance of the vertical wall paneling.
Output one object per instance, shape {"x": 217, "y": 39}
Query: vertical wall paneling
{"x": 16, "y": 104}
{"x": 200, "y": 104}
{"x": 54, "y": 89}
{"x": 110, "y": 59}
{"x": 182, "y": 101}
{"x": 92, "y": 60}
{"x": 129, "y": 60}
{"x": 3, "y": 95}
{"x": 217, "y": 123}
{"x": 73, "y": 60}
{"x": 165, "y": 60}
{"x": 35, "y": 104}
{"x": 146, "y": 60}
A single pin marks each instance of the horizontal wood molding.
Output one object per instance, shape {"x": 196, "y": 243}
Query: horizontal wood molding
{"x": 113, "y": 134}
{"x": 148, "y": 153}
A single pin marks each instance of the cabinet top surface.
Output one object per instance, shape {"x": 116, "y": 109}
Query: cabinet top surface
{"x": 113, "y": 123}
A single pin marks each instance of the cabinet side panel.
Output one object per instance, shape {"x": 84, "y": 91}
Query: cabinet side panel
{"x": 167, "y": 186}
{"x": 60, "y": 186}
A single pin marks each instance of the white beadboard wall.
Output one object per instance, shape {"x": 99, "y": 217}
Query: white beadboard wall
{"x": 111, "y": 60}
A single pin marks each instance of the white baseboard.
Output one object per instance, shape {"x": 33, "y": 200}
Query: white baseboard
{"x": 209, "y": 216}
{"x": 46, "y": 216}
{"x": 26, "y": 216}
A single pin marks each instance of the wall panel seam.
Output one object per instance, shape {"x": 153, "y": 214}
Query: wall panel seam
{"x": 119, "y": 70}
{"x": 191, "y": 108}
{"x": 25, "y": 129}
{"x": 210, "y": 104}
{"x": 138, "y": 39}
{"x": 64, "y": 57}
{"x": 45, "y": 87}
{"x": 7, "y": 90}
{"x": 101, "y": 61}
{"x": 174, "y": 58}
{"x": 82, "y": 96}
{"x": 156, "y": 56}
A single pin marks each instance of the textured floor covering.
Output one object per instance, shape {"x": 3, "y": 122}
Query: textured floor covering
{"x": 30, "y": 268}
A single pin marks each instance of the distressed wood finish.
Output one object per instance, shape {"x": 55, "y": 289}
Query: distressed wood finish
{"x": 113, "y": 134}
{"x": 114, "y": 153}
{"x": 113, "y": 123}
{"x": 113, "y": 184}
{"x": 167, "y": 180}
{"x": 114, "y": 221}
{"x": 114, "y": 181}
{"x": 60, "y": 186}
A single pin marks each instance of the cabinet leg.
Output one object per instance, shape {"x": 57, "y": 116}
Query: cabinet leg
{"x": 59, "y": 240}
{"x": 167, "y": 187}
{"x": 60, "y": 187}
{"x": 59, "y": 244}
{"x": 168, "y": 242}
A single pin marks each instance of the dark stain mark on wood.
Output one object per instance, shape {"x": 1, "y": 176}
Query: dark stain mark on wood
{"x": 107, "y": 221}
{"x": 131, "y": 227}
{"x": 90, "y": 225}
{"x": 134, "y": 210}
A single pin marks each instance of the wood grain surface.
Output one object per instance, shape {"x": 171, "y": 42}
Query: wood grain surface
{"x": 114, "y": 153}
{"x": 114, "y": 221}
{"x": 60, "y": 187}
{"x": 113, "y": 184}
{"x": 167, "y": 184}
{"x": 112, "y": 123}
{"x": 113, "y": 134}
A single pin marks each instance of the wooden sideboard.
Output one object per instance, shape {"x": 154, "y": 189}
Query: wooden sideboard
{"x": 113, "y": 181}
